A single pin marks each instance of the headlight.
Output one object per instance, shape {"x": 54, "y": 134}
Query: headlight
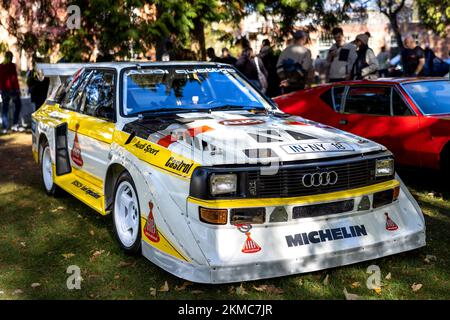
{"x": 223, "y": 183}
{"x": 384, "y": 167}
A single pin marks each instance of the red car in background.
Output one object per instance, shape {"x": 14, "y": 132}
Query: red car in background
{"x": 410, "y": 116}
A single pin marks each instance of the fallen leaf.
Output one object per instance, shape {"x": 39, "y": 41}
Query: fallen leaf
{"x": 68, "y": 255}
{"x": 416, "y": 286}
{"x": 429, "y": 258}
{"x": 117, "y": 277}
{"x": 183, "y": 286}
{"x": 23, "y": 244}
{"x": 17, "y": 291}
{"x": 350, "y": 296}
{"x": 356, "y": 285}
{"x": 196, "y": 291}
{"x": 91, "y": 232}
{"x": 96, "y": 254}
{"x": 153, "y": 292}
{"x": 35, "y": 285}
{"x": 124, "y": 264}
{"x": 164, "y": 288}
{"x": 260, "y": 288}
{"x": 240, "y": 290}
{"x": 377, "y": 290}
{"x": 388, "y": 276}
{"x": 326, "y": 281}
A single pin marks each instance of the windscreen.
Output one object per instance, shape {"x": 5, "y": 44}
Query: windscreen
{"x": 180, "y": 88}
{"x": 432, "y": 97}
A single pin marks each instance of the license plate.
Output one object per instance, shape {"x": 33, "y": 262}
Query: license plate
{"x": 317, "y": 147}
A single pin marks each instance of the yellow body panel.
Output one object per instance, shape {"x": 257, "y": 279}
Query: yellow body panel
{"x": 234, "y": 203}
{"x": 163, "y": 244}
{"x": 81, "y": 189}
{"x": 157, "y": 155}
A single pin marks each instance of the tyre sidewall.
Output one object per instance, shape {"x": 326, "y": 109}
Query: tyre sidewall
{"x": 136, "y": 246}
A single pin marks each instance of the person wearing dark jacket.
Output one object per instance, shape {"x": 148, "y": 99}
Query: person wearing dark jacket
{"x": 10, "y": 90}
{"x": 252, "y": 67}
{"x": 37, "y": 86}
{"x": 366, "y": 64}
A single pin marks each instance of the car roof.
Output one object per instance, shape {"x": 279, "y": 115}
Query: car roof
{"x": 391, "y": 80}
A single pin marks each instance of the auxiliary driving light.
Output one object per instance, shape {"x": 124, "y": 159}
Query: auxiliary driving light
{"x": 248, "y": 215}
{"x": 384, "y": 167}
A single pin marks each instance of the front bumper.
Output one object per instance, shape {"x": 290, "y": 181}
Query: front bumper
{"x": 271, "y": 269}
{"x": 222, "y": 246}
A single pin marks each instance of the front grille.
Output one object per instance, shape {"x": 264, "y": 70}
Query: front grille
{"x": 288, "y": 182}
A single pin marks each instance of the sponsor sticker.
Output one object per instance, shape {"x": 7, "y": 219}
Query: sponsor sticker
{"x": 75, "y": 154}
{"x": 324, "y": 235}
{"x": 317, "y": 147}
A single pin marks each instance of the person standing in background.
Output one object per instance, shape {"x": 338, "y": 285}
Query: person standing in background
{"x": 227, "y": 57}
{"x": 413, "y": 58}
{"x": 383, "y": 62}
{"x": 252, "y": 68}
{"x": 341, "y": 57}
{"x": 211, "y": 54}
{"x": 37, "y": 85}
{"x": 10, "y": 90}
{"x": 366, "y": 64}
{"x": 270, "y": 63}
{"x": 294, "y": 66}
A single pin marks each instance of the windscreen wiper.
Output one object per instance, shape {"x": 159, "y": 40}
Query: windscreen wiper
{"x": 234, "y": 107}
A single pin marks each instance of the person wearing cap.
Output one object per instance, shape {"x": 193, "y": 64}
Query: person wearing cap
{"x": 294, "y": 66}
{"x": 341, "y": 57}
{"x": 366, "y": 64}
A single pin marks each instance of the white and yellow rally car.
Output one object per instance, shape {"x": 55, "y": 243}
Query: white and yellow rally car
{"x": 211, "y": 182}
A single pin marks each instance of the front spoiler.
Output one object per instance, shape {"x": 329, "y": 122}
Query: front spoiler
{"x": 262, "y": 270}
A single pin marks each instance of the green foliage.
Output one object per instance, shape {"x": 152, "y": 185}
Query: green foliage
{"x": 435, "y": 14}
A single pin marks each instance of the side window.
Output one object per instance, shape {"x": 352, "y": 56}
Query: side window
{"x": 74, "y": 97}
{"x": 399, "y": 106}
{"x": 99, "y": 94}
{"x": 333, "y": 97}
{"x": 368, "y": 100}
{"x": 338, "y": 94}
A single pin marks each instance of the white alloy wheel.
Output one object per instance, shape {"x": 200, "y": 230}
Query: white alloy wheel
{"x": 126, "y": 214}
{"x": 47, "y": 169}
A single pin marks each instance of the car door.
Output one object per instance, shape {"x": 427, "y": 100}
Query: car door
{"x": 367, "y": 112}
{"x": 404, "y": 132}
{"x": 93, "y": 128}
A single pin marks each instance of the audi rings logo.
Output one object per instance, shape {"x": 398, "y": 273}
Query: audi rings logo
{"x": 320, "y": 179}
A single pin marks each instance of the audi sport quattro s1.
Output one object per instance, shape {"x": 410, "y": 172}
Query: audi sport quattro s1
{"x": 211, "y": 182}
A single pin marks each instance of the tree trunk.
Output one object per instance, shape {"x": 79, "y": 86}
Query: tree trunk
{"x": 199, "y": 34}
{"x": 396, "y": 29}
{"x": 160, "y": 43}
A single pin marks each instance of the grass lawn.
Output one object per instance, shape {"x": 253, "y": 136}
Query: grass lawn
{"x": 41, "y": 236}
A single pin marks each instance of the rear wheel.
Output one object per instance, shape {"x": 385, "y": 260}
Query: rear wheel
{"x": 126, "y": 214}
{"x": 47, "y": 171}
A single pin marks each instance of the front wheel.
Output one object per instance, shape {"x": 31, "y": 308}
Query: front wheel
{"x": 126, "y": 214}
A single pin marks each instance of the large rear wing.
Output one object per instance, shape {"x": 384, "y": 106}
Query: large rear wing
{"x": 58, "y": 73}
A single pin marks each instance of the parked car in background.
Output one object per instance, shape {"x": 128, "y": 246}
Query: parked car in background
{"x": 410, "y": 116}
